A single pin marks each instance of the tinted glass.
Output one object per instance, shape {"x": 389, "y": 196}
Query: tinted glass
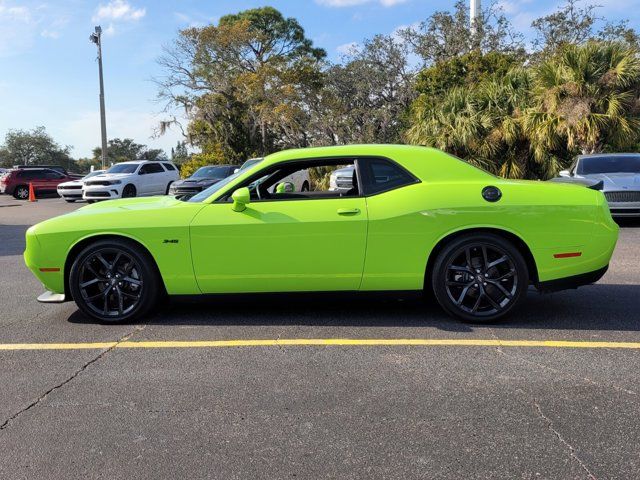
{"x": 152, "y": 168}
{"x": 51, "y": 175}
{"x": 30, "y": 174}
{"x": 168, "y": 166}
{"x": 207, "y": 192}
{"x": 250, "y": 163}
{"x": 384, "y": 175}
{"x": 211, "y": 172}
{"x": 609, "y": 164}
{"x": 123, "y": 168}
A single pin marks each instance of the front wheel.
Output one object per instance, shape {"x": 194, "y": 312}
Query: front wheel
{"x": 480, "y": 278}
{"x": 21, "y": 192}
{"x": 129, "y": 191}
{"x": 69, "y": 200}
{"x": 114, "y": 281}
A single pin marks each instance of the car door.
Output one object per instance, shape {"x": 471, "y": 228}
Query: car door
{"x": 280, "y": 245}
{"x": 152, "y": 177}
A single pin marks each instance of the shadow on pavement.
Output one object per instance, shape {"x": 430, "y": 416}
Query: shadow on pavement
{"x": 12, "y": 239}
{"x": 595, "y": 307}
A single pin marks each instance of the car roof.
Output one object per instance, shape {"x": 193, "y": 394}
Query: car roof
{"x": 591, "y": 155}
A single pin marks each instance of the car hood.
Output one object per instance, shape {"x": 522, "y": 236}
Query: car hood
{"x": 110, "y": 176}
{"x": 136, "y": 203}
{"x": 72, "y": 183}
{"x": 196, "y": 181}
{"x": 617, "y": 181}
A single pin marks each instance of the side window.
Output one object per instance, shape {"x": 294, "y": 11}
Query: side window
{"x": 151, "y": 168}
{"x": 52, "y": 175}
{"x": 305, "y": 180}
{"x": 168, "y": 166}
{"x": 381, "y": 175}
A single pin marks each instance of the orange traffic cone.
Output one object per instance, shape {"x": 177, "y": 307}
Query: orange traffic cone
{"x": 32, "y": 194}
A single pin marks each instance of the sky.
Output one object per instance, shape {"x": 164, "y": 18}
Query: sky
{"x": 49, "y": 73}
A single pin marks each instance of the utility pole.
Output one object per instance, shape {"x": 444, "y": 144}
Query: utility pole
{"x": 474, "y": 16}
{"x": 96, "y": 38}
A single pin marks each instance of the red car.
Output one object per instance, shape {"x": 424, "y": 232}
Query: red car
{"x": 44, "y": 180}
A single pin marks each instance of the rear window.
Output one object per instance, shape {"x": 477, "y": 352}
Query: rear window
{"x": 381, "y": 175}
{"x": 168, "y": 166}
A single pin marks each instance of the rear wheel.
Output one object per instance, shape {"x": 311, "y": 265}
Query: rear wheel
{"x": 129, "y": 191}
{"x": 21, "y": 192}
{"x": 480, "y": 278}
{"x": 114, "y": 281}
{"x": 69, "y": 200}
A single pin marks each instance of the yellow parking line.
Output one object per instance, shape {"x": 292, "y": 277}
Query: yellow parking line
{"x": 301, "y": 342}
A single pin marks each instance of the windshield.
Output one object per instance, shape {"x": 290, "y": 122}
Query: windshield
{"x": 123, "y": 168}
{"x": 610, "y": 164}
{"x": 250, "y": 163}
{"x": 210, "y": 172}
{"x": 207, "y": 192}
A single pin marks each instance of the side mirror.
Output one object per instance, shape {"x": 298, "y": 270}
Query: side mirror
{"x": 141, "y": 172}
{"x": 285, "y": 187}
{"x": 236, "y": 170}
{"x": 241, "y": 198}
{"x": 565, "y": 173}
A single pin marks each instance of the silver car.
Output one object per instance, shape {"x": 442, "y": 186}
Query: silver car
{"x": 620, "y": 177}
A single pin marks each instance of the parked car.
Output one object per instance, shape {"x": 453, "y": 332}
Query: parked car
{"x": 72, "y": 191}
{"x": 202, "y": 178}
{"x": 298, "y": 181}
{"x": 437, "y": 223}
{"x": 620, "y": 177}
{"x": 138, "y": 178}
{"x": 57, "y": 168}
{"x": 341, "y": 180}
{"x": 44, "y": 180}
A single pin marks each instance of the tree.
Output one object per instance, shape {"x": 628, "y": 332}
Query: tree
{"x": 445, "y": 35}
{"x": 33, "y": 147}
{"x": 572, "y": 24}
{"x": 482, "y": 124}
{"x": 242, "y": 82}
{"x": 467, "y": 70}
{"x": 586, "y": 100}
{"x": 122, "y": 150}
{"x": 365, "y": 99}
{"x": 179, "y": 154}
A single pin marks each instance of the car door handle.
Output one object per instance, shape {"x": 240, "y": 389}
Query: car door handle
{"x": 348, "y": 211}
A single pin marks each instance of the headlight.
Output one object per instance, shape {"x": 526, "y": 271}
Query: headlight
{"x": 115, "y": 182}
{"x": 172, "y": 190}
{"x": 332, "y": 181}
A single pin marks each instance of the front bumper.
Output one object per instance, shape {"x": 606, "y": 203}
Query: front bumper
{"x": 624, "y": 209}
{"x": 69, "y": 193}
{"x": 102, "y": 192}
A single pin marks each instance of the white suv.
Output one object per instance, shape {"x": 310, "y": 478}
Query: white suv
{"x": 131, "y": 179}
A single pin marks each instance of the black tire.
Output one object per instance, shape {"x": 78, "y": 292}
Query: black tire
{"x": 21, "y": 192}
{"x": 129, "y": 191}
{"x": 90, "y": 201}
{"x": 305, "y": 187}
{"x": 480, "y": 278}
{"x": 115, "y": 281}
{"x": 69, "y": 201}
{"x": 168, "y": 187}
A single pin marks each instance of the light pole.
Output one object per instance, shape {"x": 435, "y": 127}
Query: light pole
{"x": 96, "y": 38}
{"x": 474, "y": 14}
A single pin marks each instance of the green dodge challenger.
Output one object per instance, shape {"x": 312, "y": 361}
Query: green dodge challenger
{"x": 376, "y": 218}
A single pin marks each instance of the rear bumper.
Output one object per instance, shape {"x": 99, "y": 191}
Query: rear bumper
{"x": 573, "y": 281}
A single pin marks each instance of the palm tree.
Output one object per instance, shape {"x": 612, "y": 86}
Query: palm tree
{"x": 482, "y": 125}
{"x": 586, "y": 100}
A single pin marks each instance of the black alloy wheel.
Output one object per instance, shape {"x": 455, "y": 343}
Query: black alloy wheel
{"x": 480, "y": 278}
{"x": 114, "y": 281}
{"x": 129, "y": 191}
{"x": 21, "y": 192}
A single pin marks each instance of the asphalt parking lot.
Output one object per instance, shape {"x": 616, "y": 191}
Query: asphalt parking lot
{"x": 487, "y": 402}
